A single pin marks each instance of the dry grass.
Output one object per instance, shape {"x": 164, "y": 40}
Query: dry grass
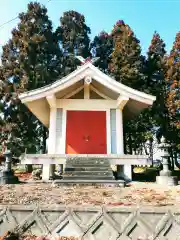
{"x": 14, "y": 236}
{"x": 42, "y": 193}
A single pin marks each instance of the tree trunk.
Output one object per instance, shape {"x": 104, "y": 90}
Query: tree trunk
{"x": 125, "y": 143}
{"x": 176, "y": 163}
{"x": 145, "y": 149}
{"x": 130, "y": 144}
{"x": 29, "y": 168}
{"x": 44, "y": 140}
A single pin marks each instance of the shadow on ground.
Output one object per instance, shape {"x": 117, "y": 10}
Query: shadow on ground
{"x": 149, "y": 175}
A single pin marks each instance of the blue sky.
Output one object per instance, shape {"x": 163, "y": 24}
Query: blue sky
{"x": 143, "y": 16}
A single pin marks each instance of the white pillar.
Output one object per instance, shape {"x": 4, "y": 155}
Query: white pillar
{"x": 124, "y": 171}
{"x": 119, "y": 132}
{"x": 63, "y": 139}
{"x": 48, "y": 170}
{"x": 108, "y": 131}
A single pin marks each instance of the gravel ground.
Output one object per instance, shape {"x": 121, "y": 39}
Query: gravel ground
{"x": 45, "y": 193}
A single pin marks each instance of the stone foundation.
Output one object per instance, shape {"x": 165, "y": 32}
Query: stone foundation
{"x": 167, "y": 180}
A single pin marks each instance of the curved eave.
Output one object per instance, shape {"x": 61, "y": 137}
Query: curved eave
{"x": 57, "y": 86}
{"x": 123, "y": 89}
{"x": 87, "y": 69}
{"x": 36, "y": 99}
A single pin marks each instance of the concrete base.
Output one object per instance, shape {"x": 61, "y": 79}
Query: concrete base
{"x": 48, "y": 172}
{"x": 119, "y": 183}
{"x": 125, "y": 172}
{"x": 7, "y": 177}
{"x": 167, "y": 180}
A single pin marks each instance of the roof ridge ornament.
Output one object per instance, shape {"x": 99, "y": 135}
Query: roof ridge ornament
{"x": 86, "y": 60}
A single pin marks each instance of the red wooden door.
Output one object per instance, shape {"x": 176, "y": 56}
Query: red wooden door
{"x": 86, "y": 132}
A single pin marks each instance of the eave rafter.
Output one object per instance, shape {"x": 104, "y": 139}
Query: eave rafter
{"x": 121, "y": 101}
{"x": 51, "y": 101}
{"x": 69, "y": 95}
{"x": 99, "y": 93}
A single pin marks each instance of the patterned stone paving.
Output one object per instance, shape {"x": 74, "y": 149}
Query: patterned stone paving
{"x": 122, "y": 223}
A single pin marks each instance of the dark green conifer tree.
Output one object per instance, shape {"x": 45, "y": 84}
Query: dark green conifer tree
{"x": 30, "y": 59}
{"x": 74, "y": 39}
{"x": 102, "y": 47}
{"x": 127, "y": 63}
{"x": 173, "y": 93}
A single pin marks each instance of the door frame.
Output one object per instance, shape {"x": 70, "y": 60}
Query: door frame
{"x": 108, "y": 127}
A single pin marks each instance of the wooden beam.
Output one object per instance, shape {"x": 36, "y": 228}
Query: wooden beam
{"x": 73, "y": 92}
{"x": 86, "y": 104}
{"x": 51, "y": 101}
{"x": 87, "y": 82}
{"x": 86, "y": 91}
{"x": 99, "y": 93}
{"x": 121, "y": 101}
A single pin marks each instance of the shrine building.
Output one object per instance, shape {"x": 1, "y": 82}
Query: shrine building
{"x": 84, "y": 112}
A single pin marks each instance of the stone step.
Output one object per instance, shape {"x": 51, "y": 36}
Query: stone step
{"x": 90, "y": 182}
{"x": 92, "y": 161}
{"x": 88, "y": 173}
{"x": 92, "y": 177}
{"x": 86, "y": 164}
{"x": 75, "y": 168}
{"x": 88, "y": 169}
